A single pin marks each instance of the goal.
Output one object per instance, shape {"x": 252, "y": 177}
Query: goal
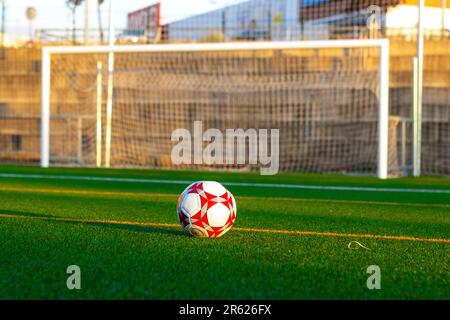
{"x": 117, "y": 106}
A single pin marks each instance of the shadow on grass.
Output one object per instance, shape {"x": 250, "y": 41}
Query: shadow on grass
{"x": 22, "y": 214}
{"x": 129, "y": 227}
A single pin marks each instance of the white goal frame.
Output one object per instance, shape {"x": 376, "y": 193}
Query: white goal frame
{"x": 381, "y": 44}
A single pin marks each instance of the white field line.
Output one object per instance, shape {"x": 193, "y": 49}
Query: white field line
{"x": 236, "y": 184}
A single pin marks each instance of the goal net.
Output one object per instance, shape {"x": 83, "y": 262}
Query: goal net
{"x": 329, "y": 100}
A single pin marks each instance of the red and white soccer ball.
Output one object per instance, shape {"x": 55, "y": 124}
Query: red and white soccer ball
{"x": 206, "y": 209}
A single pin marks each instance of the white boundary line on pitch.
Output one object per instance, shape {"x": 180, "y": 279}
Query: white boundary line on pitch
{"x": 236, "y": 184}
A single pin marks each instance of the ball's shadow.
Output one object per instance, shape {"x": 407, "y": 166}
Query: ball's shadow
{"x": 134, "y": 228}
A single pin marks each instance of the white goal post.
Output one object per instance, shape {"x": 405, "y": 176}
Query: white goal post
{"x": 377, "y": 44}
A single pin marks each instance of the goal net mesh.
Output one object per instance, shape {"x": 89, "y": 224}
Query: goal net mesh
{"x": 325, "y": 103}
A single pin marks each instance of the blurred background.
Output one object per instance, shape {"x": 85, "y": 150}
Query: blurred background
{"x": 27, "y": 26}
{"x": 86, "y": 21}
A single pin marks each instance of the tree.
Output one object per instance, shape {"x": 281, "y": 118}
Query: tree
{"x": 73, "y": 5}
{"x": 99, "y": 15}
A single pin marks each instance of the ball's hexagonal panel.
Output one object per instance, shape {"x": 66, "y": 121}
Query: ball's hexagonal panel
{"x": 180, "y": 200}
{"x": 214, "y": 188}
{"x": 234, "y": 204}
{"x": 191, "y": 204}
{"x": 218, "y": 215}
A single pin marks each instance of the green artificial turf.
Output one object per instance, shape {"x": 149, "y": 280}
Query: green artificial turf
{"x": 120, "y": 259}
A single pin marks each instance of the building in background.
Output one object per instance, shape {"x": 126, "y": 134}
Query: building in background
{"x": 293, "y": 20}
{"x": 144, "y": 23}
{"x": 251, "y": 20}
{"x": 402, "y": 19}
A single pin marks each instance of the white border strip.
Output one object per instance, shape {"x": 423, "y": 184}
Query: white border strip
{"x": 234, "y": 184}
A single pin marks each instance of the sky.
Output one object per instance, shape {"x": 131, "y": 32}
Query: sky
{"x": 55, "y": 14}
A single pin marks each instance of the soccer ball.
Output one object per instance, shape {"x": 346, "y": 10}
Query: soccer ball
{"x": 206, "y": 209}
